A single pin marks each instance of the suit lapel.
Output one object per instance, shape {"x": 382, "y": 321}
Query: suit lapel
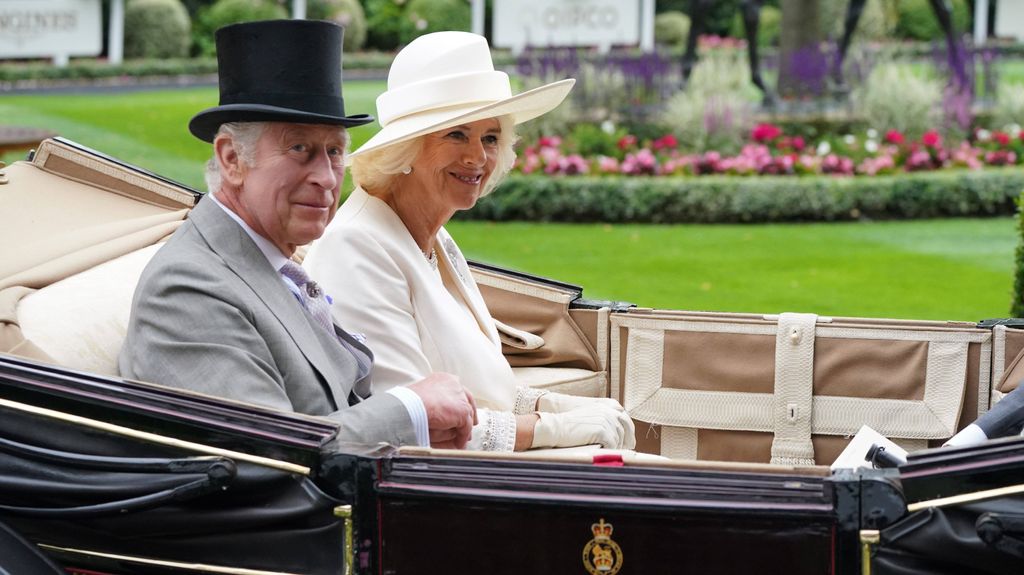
{"x": 240, "y": 254}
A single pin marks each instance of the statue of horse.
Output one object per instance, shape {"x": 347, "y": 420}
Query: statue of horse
{"x": 751, "y": 12}
{"x": 943, "y": 12}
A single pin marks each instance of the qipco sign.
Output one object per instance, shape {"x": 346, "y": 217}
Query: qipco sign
{"x": 50, "y": 28}
{"x": 549, "y": 23}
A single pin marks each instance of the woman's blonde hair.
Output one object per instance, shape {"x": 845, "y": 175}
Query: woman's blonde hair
{"x": 374, "y": 171}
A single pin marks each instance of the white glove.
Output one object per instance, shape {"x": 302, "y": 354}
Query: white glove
{"x": 588, "y": 425}
{"x": 560, "y": 402}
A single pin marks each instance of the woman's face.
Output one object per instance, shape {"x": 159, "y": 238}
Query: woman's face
{"x": 455, "y": 163}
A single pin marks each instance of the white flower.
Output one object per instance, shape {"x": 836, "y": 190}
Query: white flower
{"x": 872, "y": 133}
{"x": 984, "y": 135}
{"x": 849, "y": 139}
{"x": 421, "y": 24}
{"x": 608, "y": 127}
{"x": 1013, "y": 130}
{"x": 824, "y": 148}
{"x": 871, "y": 146}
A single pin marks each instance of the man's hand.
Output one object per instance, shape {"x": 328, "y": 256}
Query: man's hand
{"x": 451, "y": 411}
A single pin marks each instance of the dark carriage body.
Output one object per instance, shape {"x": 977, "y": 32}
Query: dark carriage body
{"x": 103, "y": 475}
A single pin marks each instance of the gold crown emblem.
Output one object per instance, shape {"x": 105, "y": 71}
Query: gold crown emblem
{"x": 602, "y": 555}
{"x": 602, "y": 531}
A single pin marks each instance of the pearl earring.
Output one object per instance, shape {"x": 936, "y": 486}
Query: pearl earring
{"x": 407, "y": 170}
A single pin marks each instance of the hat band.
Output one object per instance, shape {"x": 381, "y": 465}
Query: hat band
{"x": 447, "y": 92}
{"x": 309, "y": 103}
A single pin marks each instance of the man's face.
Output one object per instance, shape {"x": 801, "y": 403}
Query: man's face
{"x": 290, "y": 193}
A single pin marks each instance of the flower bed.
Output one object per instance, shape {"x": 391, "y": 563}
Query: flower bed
{"x": 772, "y": 153}
{"x": 728, "y": 198}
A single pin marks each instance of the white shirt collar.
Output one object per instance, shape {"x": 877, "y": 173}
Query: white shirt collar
{"x": 269, "y": 250}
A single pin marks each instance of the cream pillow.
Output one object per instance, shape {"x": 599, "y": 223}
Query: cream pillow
{"x": 81, "y": 321}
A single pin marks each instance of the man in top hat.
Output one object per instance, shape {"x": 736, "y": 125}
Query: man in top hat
{"x": 222, "y": 309}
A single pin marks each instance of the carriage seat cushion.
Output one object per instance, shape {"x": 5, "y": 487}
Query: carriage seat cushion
{"x": 81, "y": 321}
{"x": 569, "y": 380}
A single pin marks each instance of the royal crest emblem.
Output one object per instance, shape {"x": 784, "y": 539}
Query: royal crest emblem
{"x": 601, "y": 555}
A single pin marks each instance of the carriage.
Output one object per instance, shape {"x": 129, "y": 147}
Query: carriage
{"x": 104, "y": 475}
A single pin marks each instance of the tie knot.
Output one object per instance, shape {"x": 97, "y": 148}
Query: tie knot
{"x": 294, "y": 272}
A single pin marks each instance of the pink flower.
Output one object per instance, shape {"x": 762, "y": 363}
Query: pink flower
{"x": 1002, "y": 138}
{"x": 626, "y": 142}
{"x": 932, "y": 139}
{"x": 642, "y": 162}
{"x": 549, "y": 142}
{"x": 765, "y": 132}
{"x": 607, "y": 165}
{"x": 1001, "y": 158}
{"x": 894, "y": 137}
{"x": 667, "y": 141}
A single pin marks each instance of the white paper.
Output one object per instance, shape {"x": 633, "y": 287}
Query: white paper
{"x": 853, "y": 456}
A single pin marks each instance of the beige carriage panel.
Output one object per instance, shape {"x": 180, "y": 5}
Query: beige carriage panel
{"x": 541, "y": 310}
{"x": 792, "y": 389}
{"x": 1007, "y": 360}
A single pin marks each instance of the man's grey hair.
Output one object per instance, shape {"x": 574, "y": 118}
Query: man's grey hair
{"x": 375, "y": 170}
{"x": 244, "y": 135}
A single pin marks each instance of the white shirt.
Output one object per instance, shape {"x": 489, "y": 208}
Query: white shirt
{"x": 412, "y": 402}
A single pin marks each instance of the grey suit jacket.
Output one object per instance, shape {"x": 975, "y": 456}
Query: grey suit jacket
{"x": 211, "y": 314}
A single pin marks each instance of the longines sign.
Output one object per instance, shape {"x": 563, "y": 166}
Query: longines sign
{"x": 521, "y": 23}
{"x": 50, "y": 28}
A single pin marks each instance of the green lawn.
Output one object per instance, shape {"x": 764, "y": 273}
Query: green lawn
{"x": 945, "y": 269}
{"x": 938, "y": 269}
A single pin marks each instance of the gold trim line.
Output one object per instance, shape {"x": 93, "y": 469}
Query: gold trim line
{"x": 162, "y": 563}
{"x": 345, "y": 512}
{"x": 967, "y": 497}
{"x": 158, "y": 439}
{"x": 868, "y": 539}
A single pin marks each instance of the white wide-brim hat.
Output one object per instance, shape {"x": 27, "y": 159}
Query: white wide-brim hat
{"x": 447, "y": 79}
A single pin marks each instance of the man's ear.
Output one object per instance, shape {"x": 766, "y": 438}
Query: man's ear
{"x": 231, "y": 167}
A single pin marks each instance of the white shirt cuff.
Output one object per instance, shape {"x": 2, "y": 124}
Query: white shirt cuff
{"x": 970, "y": 435}
{"x": 417, "y": 412}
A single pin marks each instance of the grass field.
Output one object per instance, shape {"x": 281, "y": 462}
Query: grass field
{"x": 943, "y": 269}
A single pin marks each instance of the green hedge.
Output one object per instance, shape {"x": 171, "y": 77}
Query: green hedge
{"x": 712, "y": 199}
{"x": 1017, "y": 307}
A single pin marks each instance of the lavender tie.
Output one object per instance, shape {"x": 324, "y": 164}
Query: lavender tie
{"x": 311, "y": 296}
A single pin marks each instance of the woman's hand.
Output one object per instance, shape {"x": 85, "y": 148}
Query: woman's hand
{"x": 587, "y": 425}
{"x": 560, "y": 402}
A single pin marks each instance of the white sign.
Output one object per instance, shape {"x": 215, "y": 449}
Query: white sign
{"x": 550, "y": 23}
{"x": 50, "y": 28}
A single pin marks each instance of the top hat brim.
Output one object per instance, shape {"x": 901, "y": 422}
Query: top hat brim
{"x": 205, "y": 124}
{"x": 521, "y": 107}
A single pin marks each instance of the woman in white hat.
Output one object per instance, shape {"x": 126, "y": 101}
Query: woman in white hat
{"x": 447, "y": 138}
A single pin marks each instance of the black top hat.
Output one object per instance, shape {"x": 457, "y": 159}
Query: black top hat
{"x": 278, "y": 71}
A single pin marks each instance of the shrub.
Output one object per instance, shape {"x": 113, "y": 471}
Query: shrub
{"x": 386, "y": 24}
{"x": 1017, "y": 306}
{"x": 671, "y": 28}
{"x": 348, "y": 13}
{"x": 768, "y": 30}
{"x": 156, "y": 29}
{"x": 877, "y": 21}
{"x": 1009, "y": 108}
{"x": 713, "y": 199}
{"x": 429, "y": 16}
{"x": 715, "y": 110}
{"x": 896, "y": 98}
{"x": 224, "y": 12}
{"x": 917, "y": 21}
